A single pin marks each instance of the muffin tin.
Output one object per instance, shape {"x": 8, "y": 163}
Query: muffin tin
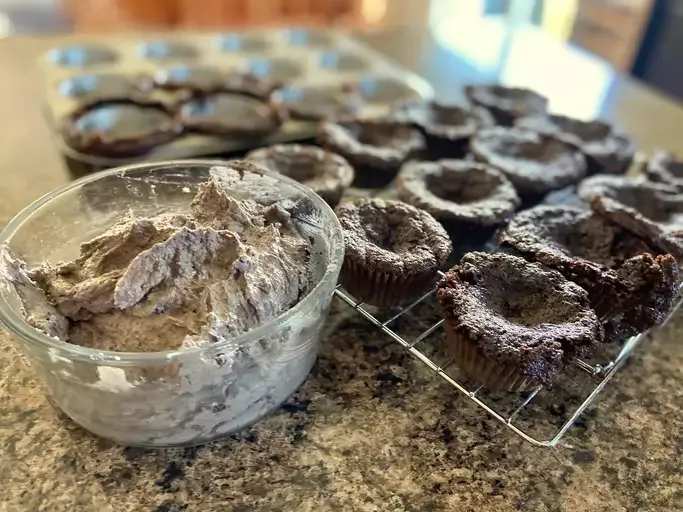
{"x": 312, "y": 66}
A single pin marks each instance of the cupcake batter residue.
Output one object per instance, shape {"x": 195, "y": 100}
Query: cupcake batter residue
{"x": 171, "y": 281}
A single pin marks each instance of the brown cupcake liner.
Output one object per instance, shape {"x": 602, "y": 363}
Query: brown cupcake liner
{"x": 384, "y": 289}
{"x": 439, "y": 147}
{"x": 469, "y": 232}
{"x": 495, "y": 376}
{"x": 331, "y": 197}
{"x": 614, "y": 165}
{"x": 369, "y": 176}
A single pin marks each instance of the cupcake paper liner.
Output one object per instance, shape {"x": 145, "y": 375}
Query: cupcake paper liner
{"x": 495, "y": 376}
{"x": 384, "y": 289}
{"x": 440, "y": 147}
{"x": 369, "y": 176}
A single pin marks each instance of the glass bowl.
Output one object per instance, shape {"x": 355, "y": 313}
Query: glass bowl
{"x": 173, "y": 398}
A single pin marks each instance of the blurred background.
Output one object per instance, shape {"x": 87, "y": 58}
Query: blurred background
{"x": 639, "y": 37}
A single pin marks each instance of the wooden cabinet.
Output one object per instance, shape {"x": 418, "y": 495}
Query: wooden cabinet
{"x": 92, "y": 15}
{"x": 611, "y": 29}
{"x": 224, "y": 13}
{"x": 96, "y": 15}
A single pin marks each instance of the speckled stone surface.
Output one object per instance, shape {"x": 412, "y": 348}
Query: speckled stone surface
{"x": 371, "y": 429}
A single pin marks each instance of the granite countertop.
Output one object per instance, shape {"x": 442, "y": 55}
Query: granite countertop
{"x": 371, "y": 429}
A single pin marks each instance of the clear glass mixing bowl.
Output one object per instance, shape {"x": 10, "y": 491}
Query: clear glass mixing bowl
{"x": 174, "y": 398}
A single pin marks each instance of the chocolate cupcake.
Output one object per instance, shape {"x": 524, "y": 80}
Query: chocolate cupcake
{"x": 606, "y": 149}
{"x": 327, "y": 174}
{"x": 194, "y": 79}
{"x": 631, "y": 190}
{"x": 468, "y": 194}
{"x": 664, "y": 235}
{"x": 652, "y": 210}
{"x": 507, "y": 104}
{"x": 533, "y": 162}
{"x": 632, "y": 282}
{"x": 447, "y": 128}
{"x": 665, "y": 167}
{"x": 375, "y": 148}
{"x": 513, "y": 325}
{"x": 393, "y": 251}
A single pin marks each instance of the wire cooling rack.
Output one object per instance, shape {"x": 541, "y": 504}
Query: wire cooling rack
{"x": 598, "y": 374}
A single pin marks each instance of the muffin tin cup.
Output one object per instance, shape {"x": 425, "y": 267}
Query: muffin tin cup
{"x": 82, "y": 56}
{"x": 495, "y": 376}
{"x": 181, "y": 78}
{"x": 86, "y": 87}
{"x": 313, "y": 104}
{"x": 244, "y": 43}
{"x": 383, "y": 289}
{"x": 101, "y": 144}
{"x": 270, "y": 120}
{"x": 235, "y": 82}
